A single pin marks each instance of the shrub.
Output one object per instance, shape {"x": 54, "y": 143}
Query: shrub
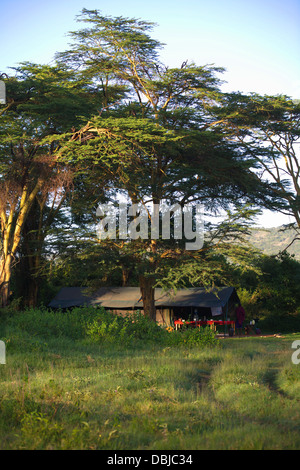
{"x": 280, "y": 323}
{"x": 193, "y": 337}
{"x": 46, "y": 323}
{"x": 37, "y": 326}
{"x": 107, "y": 327}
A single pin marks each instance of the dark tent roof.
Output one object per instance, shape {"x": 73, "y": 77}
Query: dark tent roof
{"x": 130, "y": 297}
{"x": 117, "y": 297}
{"x": 194, "y": 297}
{"x": 70, "y": 297}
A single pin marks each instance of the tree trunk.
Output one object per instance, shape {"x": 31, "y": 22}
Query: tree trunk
{"x": 28, "y": 278}
{"x": 5, "y": 269}
{"x": 33, "y": 290}
{"x": 147, "y": 292}
{"x": 30, "y": 250}
{"x": 125, "y": 276}
{"x": 11, "y": 228}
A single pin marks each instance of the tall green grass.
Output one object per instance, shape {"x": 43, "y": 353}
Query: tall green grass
{"x": 72, "y": 383}
{"x": 96, "y": 326}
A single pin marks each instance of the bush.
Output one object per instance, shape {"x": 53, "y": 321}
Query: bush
{"x": 47, "y": 323}
{"x": 274, "y": 295}
{"x": 107, "y": 327}
{"x": 193, "y": 337}
{"x": 280, "y": 323}
{"x": 37, "y": 326}
{"x": 136, "y": 328}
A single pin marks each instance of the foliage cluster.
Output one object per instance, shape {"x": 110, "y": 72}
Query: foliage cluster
{"x": 272, "y": 295}
{"x": 96, "y": 326}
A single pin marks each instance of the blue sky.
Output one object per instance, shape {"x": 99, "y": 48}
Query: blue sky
{"x": 257, "y": 41}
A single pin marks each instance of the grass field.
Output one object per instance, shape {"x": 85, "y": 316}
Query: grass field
{"x": 67, "y": 391}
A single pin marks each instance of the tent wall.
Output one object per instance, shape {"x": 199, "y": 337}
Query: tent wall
{"x": 164, "y": 316}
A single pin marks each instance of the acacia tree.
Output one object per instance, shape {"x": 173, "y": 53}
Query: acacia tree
{"x": 42, "y": 101}
{"x": 268, "y": 128}
{"x": 162, "y": 141}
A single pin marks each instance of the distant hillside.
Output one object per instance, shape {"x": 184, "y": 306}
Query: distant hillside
{"x": 272, "y": 240}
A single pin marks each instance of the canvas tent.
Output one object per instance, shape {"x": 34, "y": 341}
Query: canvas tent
{"x": 183, "y": 303}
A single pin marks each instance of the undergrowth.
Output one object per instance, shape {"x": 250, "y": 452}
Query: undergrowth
{"x": 36, "y": 326}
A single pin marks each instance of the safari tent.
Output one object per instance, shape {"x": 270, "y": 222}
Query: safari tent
{"x": 184, "y": 303}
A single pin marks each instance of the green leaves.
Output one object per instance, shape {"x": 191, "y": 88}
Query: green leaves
{"x": 267, "y": 128}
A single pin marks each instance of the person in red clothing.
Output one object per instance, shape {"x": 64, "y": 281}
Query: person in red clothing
{"x": 239, "y": 319}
